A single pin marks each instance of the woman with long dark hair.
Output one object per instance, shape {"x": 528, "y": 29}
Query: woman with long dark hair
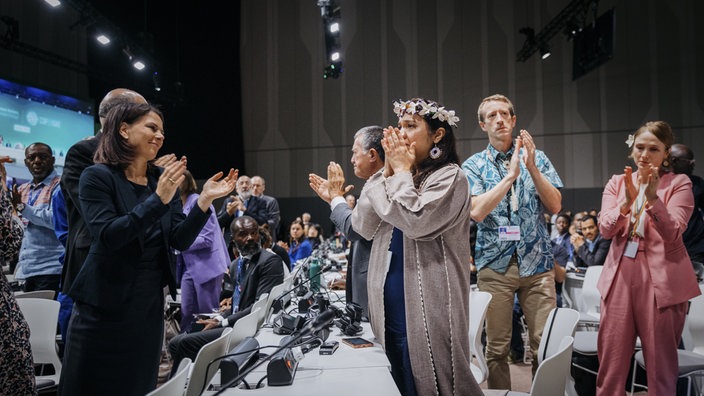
{"x": 417, "y": 208}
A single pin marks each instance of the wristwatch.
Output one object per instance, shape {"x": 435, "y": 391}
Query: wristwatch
{"x": 19, "y": 207}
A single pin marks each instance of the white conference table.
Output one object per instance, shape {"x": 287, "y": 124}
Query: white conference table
{"x": 349, "y": 371}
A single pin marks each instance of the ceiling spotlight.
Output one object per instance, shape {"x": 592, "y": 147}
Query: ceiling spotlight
{"x": 139, "y": 65}
{"x": 103, "y": 39}
{"x": 544, "y": 51}
{"x": 157, "y": 81}
{"x": 335, "y": 56}
{"x": 334, "y": 27}
{"x": 53, "y": 3}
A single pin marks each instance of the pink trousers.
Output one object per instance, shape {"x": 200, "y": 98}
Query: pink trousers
{"x": 630, "y": 311}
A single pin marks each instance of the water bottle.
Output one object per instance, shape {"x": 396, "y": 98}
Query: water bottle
{"x": 314, "y": 274}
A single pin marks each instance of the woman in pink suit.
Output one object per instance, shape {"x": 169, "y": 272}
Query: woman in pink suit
{"x": 647, "y": 277}
{"x": 204, "y": 262}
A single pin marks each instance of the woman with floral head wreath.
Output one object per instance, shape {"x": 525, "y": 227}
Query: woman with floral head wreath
{"x": 416, "y": 211}
{"x": 647, "y": 277}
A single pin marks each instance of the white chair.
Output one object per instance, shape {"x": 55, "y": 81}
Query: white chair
{"x": 47, "y": 294}
{"x": 561, "y": 322}
{"x": 275, "y": 292}
{"x": 551, "y": 376}
{"x": 244, "y": 327}
{"x": 260, "y": 304}
{"x": 176, "y": 385}
{"x": 478, "y": 305}
{"x": 591, "y": 298}
{"x": 203, "y": 372}
{"x": 42, "y": 316}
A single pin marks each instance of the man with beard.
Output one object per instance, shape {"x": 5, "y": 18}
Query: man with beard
{"x": 38, "y": 264}
{"x": 245, "y": 203}
{"x": 257, "y": 272}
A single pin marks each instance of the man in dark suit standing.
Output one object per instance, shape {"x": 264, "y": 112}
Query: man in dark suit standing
{"x": 242, "y": 204}
{"x": 258, "y": 271}
{"x": 367, "y": 159}
{"x": 272, "y": 206}
{"x": 78, "y": 158}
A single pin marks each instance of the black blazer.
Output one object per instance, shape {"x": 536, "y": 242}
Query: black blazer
{"x": 78, "y": 158}
{"x": 265, "y": 271}
{"x": 583, "y": 258}
{"x": 117, "y": 223}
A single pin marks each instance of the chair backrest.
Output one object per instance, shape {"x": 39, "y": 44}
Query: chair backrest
{"x": 590, "y": 294}
{"x": 551, "y": 377}
{"x": 176, "y": 385}
{"x": 42, "y": 316}
{"x": 695, "y": 324}
{"x": 244, "y": 327}
{"x": 47, "y": 294}
{"x": 261, "y": 305}
{"x": 275, "y": 292}
{"x": 478, "y": 305}
{"x": 201, "y": 374}
{"x": 561, "y": 322}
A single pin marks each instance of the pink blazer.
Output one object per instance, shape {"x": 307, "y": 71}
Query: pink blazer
{"x": 669, "y": 265}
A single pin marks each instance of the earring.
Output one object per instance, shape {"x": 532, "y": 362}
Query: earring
{"x": 666, "y": 163}
{"x": 435, "y": 152}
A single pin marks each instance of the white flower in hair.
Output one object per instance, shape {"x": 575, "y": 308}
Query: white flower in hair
{"x": 427, "y": 108}
{"x": 440, "y": 114}
{"x": 452, "y": 119}
{"x": 398, "y": 109}
{"x": 630, "y": 140}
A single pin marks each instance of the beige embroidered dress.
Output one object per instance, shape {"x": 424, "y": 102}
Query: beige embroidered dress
{"x": 434, "y": 220}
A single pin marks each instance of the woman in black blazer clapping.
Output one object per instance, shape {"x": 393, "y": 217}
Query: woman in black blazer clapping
{"x": 134, "y": 215}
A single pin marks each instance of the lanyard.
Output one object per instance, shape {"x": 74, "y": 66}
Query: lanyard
{"x": 513, "y": 198}
{"x": 638, "y": 217}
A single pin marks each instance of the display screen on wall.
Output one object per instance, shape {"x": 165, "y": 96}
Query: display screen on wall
{"x": 29, "y": 114}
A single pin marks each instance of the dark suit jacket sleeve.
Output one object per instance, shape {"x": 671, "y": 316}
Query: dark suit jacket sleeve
{"x": 224, "y": 218}
{"x": 341, "y": 216}
{"x": 268, "y": 274}
{"x": 78, "y": 158}
{"x": 597, "y": 257}
{"x": 257, "y": 210}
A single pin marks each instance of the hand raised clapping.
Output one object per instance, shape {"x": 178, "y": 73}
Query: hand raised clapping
{"x": 399, "y": 151}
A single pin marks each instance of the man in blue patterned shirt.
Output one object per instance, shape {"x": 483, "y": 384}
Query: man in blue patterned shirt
{"x": 512, "y": 184}
{"x": 38, "y": 265}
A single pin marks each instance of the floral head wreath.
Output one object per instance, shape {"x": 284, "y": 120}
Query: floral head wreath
{"x": 423, "y": 108}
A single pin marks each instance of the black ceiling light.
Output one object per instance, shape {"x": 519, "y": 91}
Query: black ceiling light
{"x": 330, "y": 12}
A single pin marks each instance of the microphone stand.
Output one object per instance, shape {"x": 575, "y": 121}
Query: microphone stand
{"x": 323, "y": 320}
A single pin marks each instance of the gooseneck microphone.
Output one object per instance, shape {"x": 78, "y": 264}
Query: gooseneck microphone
{"x": 280, "y": 302}
{"x": 317, "y": 324}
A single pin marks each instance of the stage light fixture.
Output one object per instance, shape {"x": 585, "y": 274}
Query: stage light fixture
{"x": 53, "y": 3}
{"x": 330, "y": 13}
{"x": 544, "y": 51}
{"x": 103, "y": 39}
{"x": 139, "y": 65}
{"x": 157, "y": 81}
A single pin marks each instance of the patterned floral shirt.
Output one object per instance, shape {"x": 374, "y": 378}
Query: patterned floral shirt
{"x": 484, "y": 171}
